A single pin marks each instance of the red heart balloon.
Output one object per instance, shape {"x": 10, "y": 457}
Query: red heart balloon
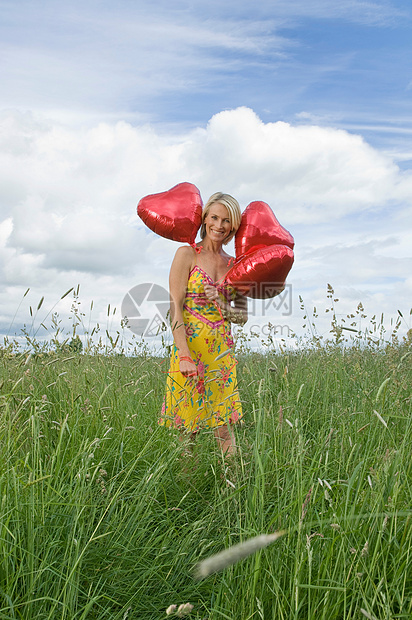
{"x": 175, "y": 214}
{"x": 259, "y": 228}
{"x": 261, "y": 274}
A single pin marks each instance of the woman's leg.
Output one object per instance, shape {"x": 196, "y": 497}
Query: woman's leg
{"x": 187, "y": 440}
{"x": 225, "y": 440}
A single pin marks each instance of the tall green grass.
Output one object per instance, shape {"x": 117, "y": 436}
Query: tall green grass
{"x": 104, "y": 517}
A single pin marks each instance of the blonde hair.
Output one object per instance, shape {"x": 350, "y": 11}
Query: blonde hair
{"x": 235, "y": 214}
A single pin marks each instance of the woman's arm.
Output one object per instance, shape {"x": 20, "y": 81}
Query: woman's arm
{"x": 178, "y": 277}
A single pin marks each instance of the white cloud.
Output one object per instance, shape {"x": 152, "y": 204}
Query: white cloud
{"x": 68, "y": 203}
{"x": 309, "y": 173}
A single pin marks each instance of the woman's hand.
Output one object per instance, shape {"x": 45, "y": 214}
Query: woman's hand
{"x": 237, "y": 314}
{"x": 211, "y": 292}
{"x": 187, "y": 368}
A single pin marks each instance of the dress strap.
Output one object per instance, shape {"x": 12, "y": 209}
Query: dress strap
{"x": 196, "y": 248}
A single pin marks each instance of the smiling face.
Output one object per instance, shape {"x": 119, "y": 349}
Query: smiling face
{"x": 217, "y": 222}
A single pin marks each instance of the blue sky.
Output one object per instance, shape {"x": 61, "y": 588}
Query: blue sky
{"x": 345, "y": 62}
{"x": 305, "y": 104}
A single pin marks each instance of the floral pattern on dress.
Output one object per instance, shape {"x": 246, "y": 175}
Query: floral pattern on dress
{"x": 211, "y": 398}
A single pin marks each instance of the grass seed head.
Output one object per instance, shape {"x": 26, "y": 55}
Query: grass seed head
{"x": 366, "y": 613}
{"x": 234, "y": 554}
{"x": 184, "y": 610}
{"x": 378, "y": 415}
{"x": 171, "y": 610}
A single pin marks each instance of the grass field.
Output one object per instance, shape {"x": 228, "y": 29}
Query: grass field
{"x": 103, "y": 517}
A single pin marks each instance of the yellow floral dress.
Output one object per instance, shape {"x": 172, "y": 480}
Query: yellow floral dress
{"x": 211, "y": 398}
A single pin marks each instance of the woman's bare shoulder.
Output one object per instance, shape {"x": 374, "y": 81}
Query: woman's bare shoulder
{"x": 229, "y": 259}
{"x": 226, "y": 255}
{"x": 185, "y": 251}
{"x": 184, "y": 257}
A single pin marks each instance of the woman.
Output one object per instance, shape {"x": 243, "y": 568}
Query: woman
{"x": 201, "y": 385}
